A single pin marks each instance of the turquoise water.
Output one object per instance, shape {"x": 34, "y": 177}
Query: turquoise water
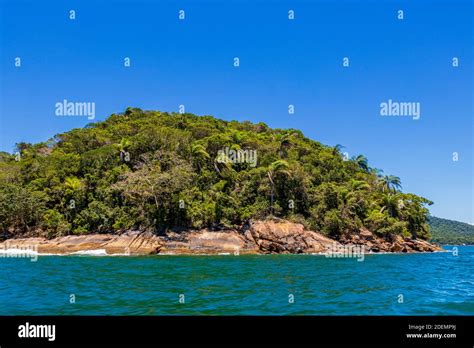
{"x": 431, "y": 284}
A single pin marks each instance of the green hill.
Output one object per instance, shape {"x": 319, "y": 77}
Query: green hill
{"x": 446, "y": 231}
{"x": 151, "y": 170}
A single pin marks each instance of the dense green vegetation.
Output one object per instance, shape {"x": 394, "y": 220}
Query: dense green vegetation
{"x": 153, "y": 170}
{"x": 446, "y": 231}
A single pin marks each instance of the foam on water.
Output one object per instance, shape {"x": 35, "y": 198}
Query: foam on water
{"x": 94, "y": 252}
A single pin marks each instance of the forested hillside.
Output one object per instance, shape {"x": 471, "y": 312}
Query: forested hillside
{"x": 446, "y": 231}
{"x": 151, "y": 170}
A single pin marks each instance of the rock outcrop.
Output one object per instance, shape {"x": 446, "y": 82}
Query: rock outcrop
{"x": 131, "y": 243}
{"x": 272, "y": 236}
{"x": 280, "y": 236}
{"x": 208, "y": 242}
{"x": 396, "y": 244}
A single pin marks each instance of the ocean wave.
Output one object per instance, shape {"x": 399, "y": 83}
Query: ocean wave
{"x": 93, "y": 252}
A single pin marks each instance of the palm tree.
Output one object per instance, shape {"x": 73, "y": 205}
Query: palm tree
{"x": 362, "y": 162}
{"x": 337, "y": 149}
{"x": 377, "y": 172}
{"x": 279, "y": 166}
{"x": 353, "y": 196}
{"x": 391, "y": 183}
{"x": 223, "y": 166}
{"x": 393, "y": 204}
{"x": 285, "y": 143}
{"x": 357, "y": 185}
{"x": 199, "y": 153}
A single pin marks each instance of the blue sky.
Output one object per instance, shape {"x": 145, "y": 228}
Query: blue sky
{"x": 282, "y": 62}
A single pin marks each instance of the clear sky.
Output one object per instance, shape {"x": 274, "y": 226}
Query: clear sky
{"x": 282, "y": 62}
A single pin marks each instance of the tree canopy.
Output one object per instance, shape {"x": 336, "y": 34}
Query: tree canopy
{"x": 446, "y": 231}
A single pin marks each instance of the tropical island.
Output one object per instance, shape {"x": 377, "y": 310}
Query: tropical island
{"x": 157, "y": 182}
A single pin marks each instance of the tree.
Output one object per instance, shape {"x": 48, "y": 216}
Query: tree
{"x": 391, "y": 183}
{"x": 199, "y": 155}
{"x": 336, "y": 150}
{"x": 417, "y": 215}
{"x": 284, "y": 144}
{"x": 362, "y": 162}
{"x": 377, "y": 172}
{"x": 279, "y": 166}
{"x": 357, "y": 185}
{"x": 154, "y": 189}
{"x": 223, "y": 166}
{"x": 20, "y": 208}
{"x": 392, "y": 203}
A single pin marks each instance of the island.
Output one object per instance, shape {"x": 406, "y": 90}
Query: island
{"x": 151, "y": 182}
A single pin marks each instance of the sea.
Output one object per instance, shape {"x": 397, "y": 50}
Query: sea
{"x": 440, "y": 283}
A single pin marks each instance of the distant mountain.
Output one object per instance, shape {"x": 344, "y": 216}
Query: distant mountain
{"x": 446, "y": 231}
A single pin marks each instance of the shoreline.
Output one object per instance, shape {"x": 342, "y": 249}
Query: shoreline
{"x": 261, "y": 237}
{"x": 13, "y": 255}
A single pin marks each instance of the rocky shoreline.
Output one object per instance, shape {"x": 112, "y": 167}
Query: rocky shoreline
{"x": 260, "y": 237}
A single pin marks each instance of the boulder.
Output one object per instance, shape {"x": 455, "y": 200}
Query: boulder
{"x": 280, "y": 236}
{"x": 422, "y": 245}
{"x": 396, "y": 248}
{"x": 208, "y": 242}
{"x": 366, "y": 234}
